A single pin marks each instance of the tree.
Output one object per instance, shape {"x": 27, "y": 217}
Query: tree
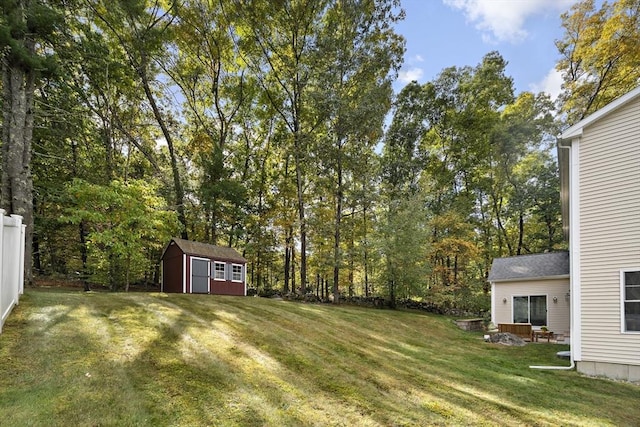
{"x": 462, "y": 112}
{"x": 478, "y": 156}
{"x": 127, "y": 227}
{"x": 403, "y": 238}
{"x": 23, "y": 26}
{"x": 600, "y": 55}
{"x": 280, "y": 38}
{"x": 207, "y": 68}
{"x": 402, "y": 230}
{"x": 141, "y": 28}
{"x": 525, "y": 130}
{"x": 360, "y": 55}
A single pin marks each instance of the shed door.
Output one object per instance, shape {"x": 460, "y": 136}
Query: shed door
{"x": 199, "y": 276}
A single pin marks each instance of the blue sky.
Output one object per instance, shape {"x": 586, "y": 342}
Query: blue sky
{"x": 444, "y": 33}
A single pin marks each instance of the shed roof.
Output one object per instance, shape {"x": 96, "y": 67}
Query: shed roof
{"x": 206, "y": 250}
{"x": 537, "y": 266}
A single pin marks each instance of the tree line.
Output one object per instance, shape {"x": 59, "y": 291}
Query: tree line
{"x": 272, "y": 127}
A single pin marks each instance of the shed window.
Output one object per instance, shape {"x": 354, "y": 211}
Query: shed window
{"x": 236, "y": 273}
{"x": 631, "y": 301}
{"x": 218, "y": 270}
{"x": 530, "y": 309}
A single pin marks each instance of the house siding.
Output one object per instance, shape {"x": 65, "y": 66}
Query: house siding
{"x": 609, "y": 230}
{"x": 558, "y": 319}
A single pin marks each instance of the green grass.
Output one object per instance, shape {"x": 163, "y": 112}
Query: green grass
{"x": 101, "y": 359}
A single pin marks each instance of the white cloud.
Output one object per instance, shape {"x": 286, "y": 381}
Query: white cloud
{"x": 504, "y": 20}
{"x": 419, "y": 58}
{"x": 411, "y": 74}
{"x": 551, "y": 84}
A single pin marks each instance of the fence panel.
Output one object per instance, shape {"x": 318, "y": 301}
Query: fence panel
{"x": 11, "y": 263}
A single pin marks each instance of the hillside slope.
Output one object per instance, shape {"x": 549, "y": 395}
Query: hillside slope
{"x": 68, "y": 358}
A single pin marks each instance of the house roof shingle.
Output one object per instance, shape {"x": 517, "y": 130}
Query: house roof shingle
{"x": 206, "y": 250}
{"x": 537, "y": 266}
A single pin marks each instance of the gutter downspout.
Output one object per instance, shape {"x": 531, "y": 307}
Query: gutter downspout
{"x": 556, "y": 368}
{"x": 573, "y": 363}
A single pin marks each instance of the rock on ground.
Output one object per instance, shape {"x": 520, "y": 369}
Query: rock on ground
{"x": 506, "y": 338}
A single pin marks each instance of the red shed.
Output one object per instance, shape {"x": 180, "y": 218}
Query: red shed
{"x": 199, "y": 268}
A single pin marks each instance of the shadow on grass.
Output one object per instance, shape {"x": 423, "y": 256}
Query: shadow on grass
{"x": 147, "y": 359}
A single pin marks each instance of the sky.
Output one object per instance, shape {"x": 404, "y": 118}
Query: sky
{"x": 445, "y": 33}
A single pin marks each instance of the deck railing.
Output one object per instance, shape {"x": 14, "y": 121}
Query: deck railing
{"x": 11, "y": 263}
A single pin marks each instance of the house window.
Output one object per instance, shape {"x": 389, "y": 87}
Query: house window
{"x": 236, "y": 273}
{"x": 530, "y": 309}
{"x": 218, "y": 270}
{"x": 631, "y": 301}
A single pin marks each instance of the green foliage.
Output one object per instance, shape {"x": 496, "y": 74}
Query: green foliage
{"x": 600, "y": 55}
{"x": 481, "y": 157}
{"x": 128, "y": 226}
{"x": 261, "y": 125}
{"x": 402, "y": 242}
{"x": 22, "y": 25}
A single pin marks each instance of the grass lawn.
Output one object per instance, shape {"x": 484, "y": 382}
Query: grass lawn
{"x": 100, "y": 359}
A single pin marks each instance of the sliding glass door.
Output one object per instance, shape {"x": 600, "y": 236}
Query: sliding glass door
{"x": 530, "y": 309}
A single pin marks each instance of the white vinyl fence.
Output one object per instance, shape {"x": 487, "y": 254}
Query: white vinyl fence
{"x": 11, "y": 263}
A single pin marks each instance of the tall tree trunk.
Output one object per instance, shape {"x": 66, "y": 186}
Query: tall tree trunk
{"x": 127, "y": 271}
{"x": 293, "y": 268}
{"x": 83, "y": 255}
{"x": 336, "y": 241}
{"x": 351, "y": 263}
{"x": 177, "y": 181}
{"x": 139, "y": 60}
{"x": 502, "y": 231}
{"x": 366, "y": 252}
{"x": 520, "y": 233}
{"x": 301, "y": 216}
{"x": 550, "y": 232}
{"x": 392, "y": 293}
{"x": 82, "y": 229}
{"x": 17, "y": 182}
{"x": 287, "y": 260}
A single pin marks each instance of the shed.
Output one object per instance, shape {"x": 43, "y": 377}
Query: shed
{"x": 199, "y": 268}
{"x": 532, "y": 289}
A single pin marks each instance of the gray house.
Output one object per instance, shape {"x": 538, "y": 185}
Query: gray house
{"x": 532, "y": 289}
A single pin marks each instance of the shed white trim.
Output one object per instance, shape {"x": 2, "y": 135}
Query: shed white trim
{"x": 208, "y": 261}
{"x": 184, "y": 273}
{"x": 233, "y": 273}
{"x": 213, "y": 271}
